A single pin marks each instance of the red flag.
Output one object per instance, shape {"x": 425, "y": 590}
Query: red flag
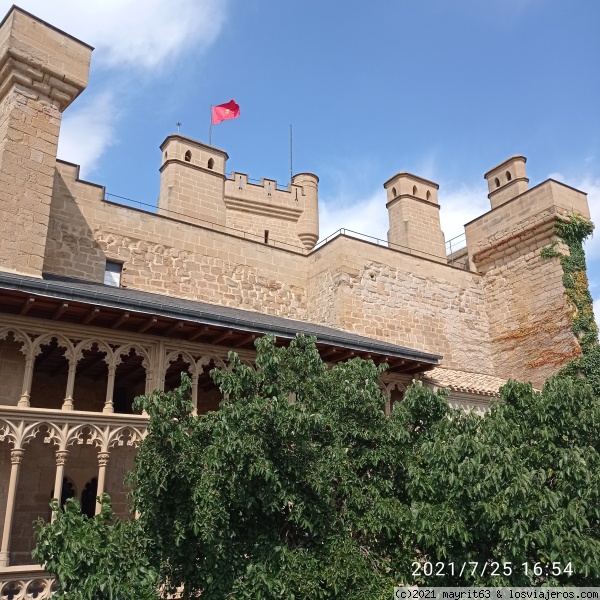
{"x": 229, "y": 110}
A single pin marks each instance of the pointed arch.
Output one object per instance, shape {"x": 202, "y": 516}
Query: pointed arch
{"x": 61, "y": 340}
{"x": 88, "y": 344}
{"x": 20, "y": 337}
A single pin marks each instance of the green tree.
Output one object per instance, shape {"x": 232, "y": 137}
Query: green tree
{"x": 288, "y": 491}
{"x": 300, "y": 487}
{"x": 95, "y": 559}
{"x": 520, "y": 485}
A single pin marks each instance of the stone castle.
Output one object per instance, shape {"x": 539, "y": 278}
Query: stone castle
{"x": 100, "y": 302}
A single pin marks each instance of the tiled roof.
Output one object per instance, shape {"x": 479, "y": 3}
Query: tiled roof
{"x": 464, "y": 381}
{"x": 67, "y": 288}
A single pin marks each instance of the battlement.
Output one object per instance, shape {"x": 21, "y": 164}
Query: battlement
{"x": 263, "y": 198}
{"x": 194, "y": 185}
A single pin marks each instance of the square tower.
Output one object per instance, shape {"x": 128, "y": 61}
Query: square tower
{"x": 192, "y": 182}
{"x": 414, "y": 215}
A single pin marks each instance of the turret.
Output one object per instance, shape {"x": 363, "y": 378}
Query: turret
{"x": 192, "y": 181}
{"x": 308, "y": 223}
{"x": 42, "y": 70}
{"x": 414, "y": 215}
{"x": 507, "y": 180}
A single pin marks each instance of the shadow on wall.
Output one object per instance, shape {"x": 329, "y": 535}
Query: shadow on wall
{"x": 71, "y": 247}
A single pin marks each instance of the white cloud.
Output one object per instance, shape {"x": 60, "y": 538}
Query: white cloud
{"x": 87, "y": 131}
{"x": 369, "y": 215}
{"x": 127, "y": 34}
{"x": 591, "y": 186}
{"x": 461, "y": 205}
{"x": 131, "y": 36}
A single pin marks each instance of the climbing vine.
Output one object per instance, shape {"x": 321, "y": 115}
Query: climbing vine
{"x": 573, "y": 232}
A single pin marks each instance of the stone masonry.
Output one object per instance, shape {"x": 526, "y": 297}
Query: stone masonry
{"x": 493, "y": 310}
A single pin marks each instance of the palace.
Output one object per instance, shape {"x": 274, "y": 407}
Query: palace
{"x": 101, "y": 302}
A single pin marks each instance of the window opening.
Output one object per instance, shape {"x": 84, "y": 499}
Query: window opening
{"x": 211, "y": 163}
{"x": 188, "y": 156}
{"x": 508, "y": 176}
{"x": 266, "y": 236}
{"x": 68, "y": 491}
{"x": 112, "y": 273}
{"x": 497, "y": 182}
{"x": 88, "y": 498}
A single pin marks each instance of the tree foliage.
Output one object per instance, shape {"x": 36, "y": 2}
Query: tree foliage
{"x": 95, "y": 559}
{"x": 300, "y": 486}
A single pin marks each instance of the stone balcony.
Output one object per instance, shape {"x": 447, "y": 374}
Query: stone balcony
{"x": 23, "y": 583}
{"x": 64, "y": 454}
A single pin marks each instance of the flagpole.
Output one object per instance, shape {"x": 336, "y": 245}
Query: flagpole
{"x": 291, "y": 163}
{"x": 210, "y": 128}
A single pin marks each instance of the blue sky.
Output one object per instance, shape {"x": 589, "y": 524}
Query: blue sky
{"x": 445, "y": 89}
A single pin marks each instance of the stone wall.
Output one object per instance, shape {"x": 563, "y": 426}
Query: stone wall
{"x": 403, "y": 299}
{"x": 530, "y": 326}
{"x": 164, "y": 255}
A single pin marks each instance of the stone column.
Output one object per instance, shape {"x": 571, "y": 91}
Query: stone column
{"x": 16, "y": 456}
{"x": 61, "y": 460}
{"x": 110, "y": 389}
{"x": 27, "y": 379}
{"x": 195, "y": 377}
{"x": 68, "y": 403}
{"x": 102, "y": 464}
{"x": 148, "y": 388}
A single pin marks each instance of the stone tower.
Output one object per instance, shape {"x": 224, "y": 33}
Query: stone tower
{"x": 308, "y": 224}
{"x": 414, "y": 215}
{"x": 42, "y": 70}
{"x": 507, "y": 180}
{"x": 192, "y": 180}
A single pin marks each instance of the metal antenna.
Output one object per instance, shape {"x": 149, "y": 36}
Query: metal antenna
{"x": 178, "y": 126}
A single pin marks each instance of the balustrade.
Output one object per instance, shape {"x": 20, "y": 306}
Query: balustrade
{"x": 102, "y": 431}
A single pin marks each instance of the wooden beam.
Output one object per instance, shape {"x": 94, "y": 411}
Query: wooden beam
{"x": 120, "y": 321}
{"x": 222, "y": 337}
{"x": 245, "y": 340}
{"x": 410, "y": 367}
{"x": 91, "y": 315}
{"x": 27, "y": 306}
{"x": 147, "y": 324}
{"x": 345, "y": 356}
{"x": 396, "y": 363}
{"x": 60, "y": 310}
{"x": 200, "y": 331}
{"x": 175, "y": 327}
{"x": 328, "y": 354}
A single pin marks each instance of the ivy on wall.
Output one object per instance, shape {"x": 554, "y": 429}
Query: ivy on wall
{"x": 573, "y": 232}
